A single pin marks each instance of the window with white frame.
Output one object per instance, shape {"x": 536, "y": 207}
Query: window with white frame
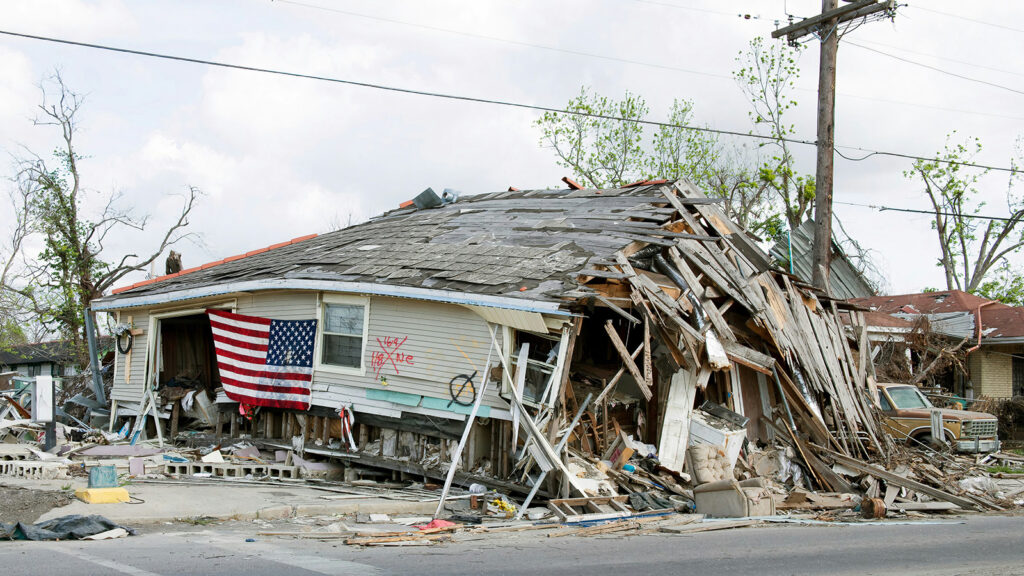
{"x": 343, "y": 325}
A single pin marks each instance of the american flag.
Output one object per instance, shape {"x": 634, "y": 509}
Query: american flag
{"x": 264, "y": 362}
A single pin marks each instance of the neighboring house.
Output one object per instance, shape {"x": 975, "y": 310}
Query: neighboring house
{"x": 42, "y": 358}
{"x": 406, "y": 302}
{"x": 994, "y": 332}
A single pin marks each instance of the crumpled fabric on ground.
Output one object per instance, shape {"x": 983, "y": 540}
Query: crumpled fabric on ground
{"x": 641, "y": 501}
{"x": 73, "y": 527}
{"x": 437, "y": 523}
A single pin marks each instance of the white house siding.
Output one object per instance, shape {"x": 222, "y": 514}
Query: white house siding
{"x": 429, "y": 342}
{"x": 131, "y": 392}
{"x": 279, "y": 305}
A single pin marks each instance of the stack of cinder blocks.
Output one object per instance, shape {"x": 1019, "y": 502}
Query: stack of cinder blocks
{"x": 226, "y": 470}
{"x": 34, "y": 470}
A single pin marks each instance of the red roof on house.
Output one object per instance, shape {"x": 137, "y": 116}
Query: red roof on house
{"x": 929, "y": 303}
{"x": 212, "y": 264}
{"x": 1004, "y": 322}
{"x": 998, "y": 320}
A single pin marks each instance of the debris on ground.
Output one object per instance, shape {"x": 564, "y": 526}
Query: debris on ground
{"x": 695, "y": 386}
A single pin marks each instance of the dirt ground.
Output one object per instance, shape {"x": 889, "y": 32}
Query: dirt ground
{"x": 25, "y": 505}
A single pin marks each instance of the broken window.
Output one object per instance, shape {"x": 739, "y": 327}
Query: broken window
{"x": 541, "y": 364}
{"x": 344, "y": 329}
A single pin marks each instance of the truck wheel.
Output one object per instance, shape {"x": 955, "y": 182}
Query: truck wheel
{"x": 927, "y": 440}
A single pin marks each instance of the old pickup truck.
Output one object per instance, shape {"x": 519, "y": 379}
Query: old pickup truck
{"x": 907, "y": 415}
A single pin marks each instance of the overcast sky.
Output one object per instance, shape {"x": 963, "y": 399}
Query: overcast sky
{"x": 282, "y": 157}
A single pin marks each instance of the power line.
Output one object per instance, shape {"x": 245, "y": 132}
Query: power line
{"x": 929, "y": 212}
{"x": 975, "y": 20}
{"x": 478, "y": 100}
{"x": 935, "y": 68}
{"x": 616, "y": 58}
{"x": 745, "y": 16}
{"x": 499, "y": 39}
{"x": 937, "y": 57}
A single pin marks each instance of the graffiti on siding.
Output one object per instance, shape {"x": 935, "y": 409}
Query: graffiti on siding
{"x": 390, "y": 353}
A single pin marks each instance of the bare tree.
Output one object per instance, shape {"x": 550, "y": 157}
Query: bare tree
{"x": 973, "y": 250}
{"x": 58, "y": 283}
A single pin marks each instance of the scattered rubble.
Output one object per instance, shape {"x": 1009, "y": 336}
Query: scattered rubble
{"x": 699, "y": 388}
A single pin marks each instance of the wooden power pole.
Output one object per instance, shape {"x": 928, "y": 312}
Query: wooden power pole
{"x": 826, "y": 27}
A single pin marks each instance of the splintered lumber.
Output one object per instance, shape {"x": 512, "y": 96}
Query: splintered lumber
{"x": 620, "y": 347}
{"x": 749, "y": 357}
{"x": 924, "y": 506}
{"x": 611, "y": 527}
{"x": 675, "y": 425}
{"x": 707, "y": 526}
{"x": 611, "y": 305}
{"x": 311, "y": 535}
{"x": 879, "y": 472}
{"x": 615, "y": 379}
{"x": 590, "y": 509}
{"x": 392, "y": 540}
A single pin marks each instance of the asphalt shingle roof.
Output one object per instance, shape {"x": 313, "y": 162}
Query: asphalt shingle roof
{"x": 515, "y": 243}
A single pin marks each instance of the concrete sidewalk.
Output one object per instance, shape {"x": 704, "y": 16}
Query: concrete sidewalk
{"x": 154, "y": 502}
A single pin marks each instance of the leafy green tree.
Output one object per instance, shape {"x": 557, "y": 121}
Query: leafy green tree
{"x": 1005, "y": 284}
{"x": 603, "y": 142}
{"x": 601, "y": 152}
{"x": 766, "y": 75}
{"x": 973, "y": 251}
{"x": 58, "y": 283}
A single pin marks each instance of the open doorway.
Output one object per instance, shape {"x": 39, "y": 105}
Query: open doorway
{"x": 186, "y": 356}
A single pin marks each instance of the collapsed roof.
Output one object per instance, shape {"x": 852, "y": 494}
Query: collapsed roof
{"x": 495, "y": 244}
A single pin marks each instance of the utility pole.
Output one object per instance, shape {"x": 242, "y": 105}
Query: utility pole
{"x": 826, "y": 27}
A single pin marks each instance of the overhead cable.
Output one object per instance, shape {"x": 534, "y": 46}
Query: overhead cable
{"x": 462, "y": 98}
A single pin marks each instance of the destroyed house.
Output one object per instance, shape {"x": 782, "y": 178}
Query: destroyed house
{"x": 642, "y": 314}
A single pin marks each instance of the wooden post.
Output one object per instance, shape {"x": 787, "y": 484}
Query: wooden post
{"x": 826, "y": 27}
{"x": 822, "y": 249}
{"x": 175, "y": 413}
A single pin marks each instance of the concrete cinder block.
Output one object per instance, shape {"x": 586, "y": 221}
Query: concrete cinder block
{"x": 282, "y": 471}
{"x": 33, "y": 470}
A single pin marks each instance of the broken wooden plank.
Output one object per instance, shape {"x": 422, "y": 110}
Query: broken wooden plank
{"x": 749, "y": 357}
{"x": 614, "y": 308}
{"x": 615, "y": 379}
{"x": 707, "y": 526}
{"x": 924, "y": 506}
{"x": 620, "y": 347}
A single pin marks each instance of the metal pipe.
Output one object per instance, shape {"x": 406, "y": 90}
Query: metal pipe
{"x": 90, "y": 335}
{"x": 782, "y": 396}
{"x": 668, "y": 270}
{"x": 789, "y": 241}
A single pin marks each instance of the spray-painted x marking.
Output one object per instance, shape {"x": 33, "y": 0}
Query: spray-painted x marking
{"x": 391, "y": 352}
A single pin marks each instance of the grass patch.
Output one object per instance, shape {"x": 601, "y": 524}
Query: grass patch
{"x": 1005, "y": 470}
{"x": 197, "y": 520}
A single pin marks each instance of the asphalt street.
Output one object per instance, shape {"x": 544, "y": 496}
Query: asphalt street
{"x": 989, "y": 545}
